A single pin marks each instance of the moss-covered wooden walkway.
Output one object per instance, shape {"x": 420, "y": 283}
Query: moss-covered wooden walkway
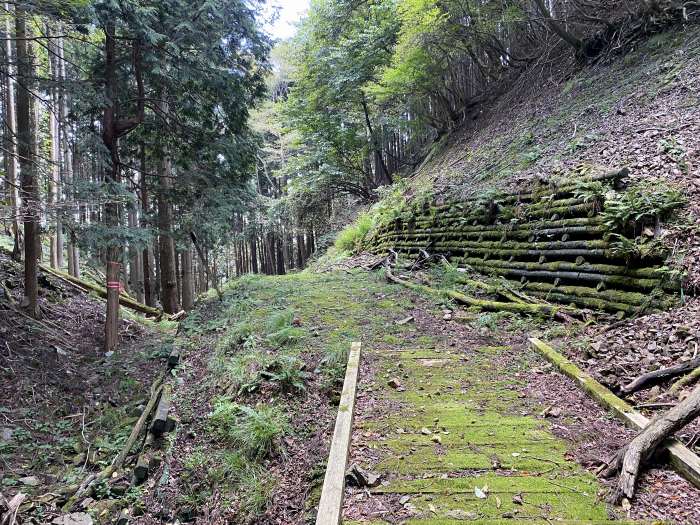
{"x": 458, "y": 443}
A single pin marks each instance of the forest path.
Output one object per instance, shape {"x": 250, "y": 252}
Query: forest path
{"x": 447, "y": 427}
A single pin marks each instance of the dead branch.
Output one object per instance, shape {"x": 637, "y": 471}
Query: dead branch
{"x": 656, "y": 376}
{"x": 640, "y": 450}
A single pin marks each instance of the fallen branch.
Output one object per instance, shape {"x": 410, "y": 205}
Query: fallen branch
{"x": 10, "y": 508}
{"x": 86, "y": 286}
{"x": 686, "y": 380}
{"x": 656, "y": 376}
{"x": 640, "y": 450}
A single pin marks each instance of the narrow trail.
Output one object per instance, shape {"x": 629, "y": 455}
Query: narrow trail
{"x": 458, "y": 440}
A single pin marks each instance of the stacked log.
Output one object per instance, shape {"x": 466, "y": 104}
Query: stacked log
{"x": 548, "y": 242}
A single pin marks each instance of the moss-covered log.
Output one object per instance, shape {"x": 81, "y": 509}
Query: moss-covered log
{"x": 500, "y": 233}
{"x": 588, "y": 245}
{"x": 556, "y": 266}
{"x": 588, "y": 302}
{"x": 614, "y": 296}
{"x": 455, "y": 247}
{"x": 614, "y": 280}
{"x": 540, "y": 226}
{"x": 495, "y": 306}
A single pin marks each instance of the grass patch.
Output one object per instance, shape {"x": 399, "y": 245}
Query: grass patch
{"x": 256, "y": 432}
{"x": 350, "y": 239}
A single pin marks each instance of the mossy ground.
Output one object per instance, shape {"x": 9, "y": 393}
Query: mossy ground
{"x": 459, "y": 430}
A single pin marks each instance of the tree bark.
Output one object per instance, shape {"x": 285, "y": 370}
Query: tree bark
{"x": 55, "y": 156}
{"x": 112, "y": 322}
{"x": 25, "y": 150}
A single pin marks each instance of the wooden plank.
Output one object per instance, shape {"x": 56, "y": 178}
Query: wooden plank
{"x": 681, "y": 458}
{"x": 331, "y": 505}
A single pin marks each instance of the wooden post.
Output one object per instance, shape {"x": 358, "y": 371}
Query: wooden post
{"x": 331, "y": 505}
{"x": 112, "y": 321}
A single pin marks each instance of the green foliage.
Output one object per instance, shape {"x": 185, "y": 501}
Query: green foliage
{"x": 351, "y": 238}
{"x": 676, "y": 151}
{"x": 241, "y": 373}
{"x": 238, "y": 335}
{"x": 591, "y": 191}
{"x": 641, "y": 205}
{"x": 254, "y": 431}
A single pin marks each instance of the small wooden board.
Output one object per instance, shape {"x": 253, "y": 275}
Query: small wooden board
{"x": 331, "y": 505}
{"x": 683, "y": 460}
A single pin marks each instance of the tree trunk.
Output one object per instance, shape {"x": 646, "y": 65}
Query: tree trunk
{"x": 9, "y": 138}
{"x": 178, "y": 275}
{"x": 254, "y": 254}
{"x": 111, "y": 142}
{"x": 166, "y": 245}
{"x": 280, "y": 270}
{"x": 301, "y": 251}
{"x": 55, "y": 180}
{"x": 67, "y": 164}
{"x": 135, "y": 260}
{"x": 187, "y": 280}
{"x": 25, "y": 150}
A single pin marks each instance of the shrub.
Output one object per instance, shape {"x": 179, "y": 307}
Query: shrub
{"x": 350, "y": 239}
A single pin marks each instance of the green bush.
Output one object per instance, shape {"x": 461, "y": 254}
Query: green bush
{"x": 350, "y": 239}
{"x": 254, "y": 431}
